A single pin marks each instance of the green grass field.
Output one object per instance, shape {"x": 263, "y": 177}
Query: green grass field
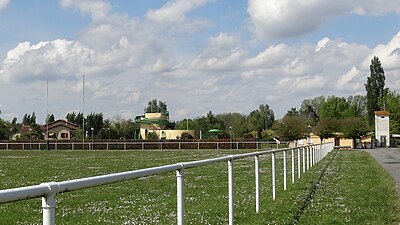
{"x": 347, "y": 187}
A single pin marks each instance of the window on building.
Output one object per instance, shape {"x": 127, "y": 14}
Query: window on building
{"x": 64, "y": 135}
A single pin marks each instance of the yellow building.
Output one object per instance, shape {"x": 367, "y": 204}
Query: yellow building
{"x": 159, "y": 124}
{"x": 339, "y": 141}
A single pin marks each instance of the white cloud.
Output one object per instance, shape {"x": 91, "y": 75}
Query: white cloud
{"x": 222, "y": 53}
{"x": 4, "y": 4}
{"x": 271, "y": 56}
{"x": 350, "y": 81}
{"x": 159, "y": 66}
{"x": 322, "y": 43}
{"x": 174, "y": 11}
{"x": 284, "y": 18}
{"x": 58, "y": 59}
{"x": 98, "y": 9}
{"x": 300, "y": 84}
{"x": 389, "y": 54}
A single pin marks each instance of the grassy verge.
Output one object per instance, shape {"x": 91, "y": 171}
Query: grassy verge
{"x": 353, "y": 190}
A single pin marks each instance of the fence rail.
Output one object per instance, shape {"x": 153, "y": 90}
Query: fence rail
{"x": 95, "y": 145}
{"x": 48, "y": 191}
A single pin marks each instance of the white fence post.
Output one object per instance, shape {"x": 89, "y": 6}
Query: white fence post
{"x": 292, "y": 153}
{"x": 49, "y": 204}
{"x": 304, "y": 159}
{"x": 230, "y": 192}
{"x": 284, "y": 170}
{"x": 314, "y": 155}
{"x": 273, "y": 176}
{"x": 319, "y": 153}
{"x": 180, "y": 195}
{"x": 257, "y": 175}
{"x": 311, "y": 156}
{"x": 298, "y": 162}
{"x": 308, "y": 158}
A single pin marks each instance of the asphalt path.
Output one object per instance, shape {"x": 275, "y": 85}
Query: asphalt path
{"x": 389, "y": 159}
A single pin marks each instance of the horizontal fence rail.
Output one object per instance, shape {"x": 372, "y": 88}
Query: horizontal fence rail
{"x": 132, "y": 145}
{"x": 310, "y": 154}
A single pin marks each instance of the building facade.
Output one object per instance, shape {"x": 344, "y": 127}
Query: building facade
{"x": 159, "y": 124}
{"x": 382, "y": 135}
{"x": 59, "y": 130}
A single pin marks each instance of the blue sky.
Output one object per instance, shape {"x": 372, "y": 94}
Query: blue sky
{"x": 198, "y": 55}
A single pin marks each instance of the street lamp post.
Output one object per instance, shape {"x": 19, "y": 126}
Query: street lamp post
{"x": 187, "y": 123}
{"x": 230, "y": 135}
{"x": 30, "y": 138}
{"x": 92, "y": 129}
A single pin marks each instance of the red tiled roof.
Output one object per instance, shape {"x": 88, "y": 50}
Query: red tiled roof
{"x": 382, "y": 113}
{"x": 25, "y": 129}
{"x": 58, "y": 123}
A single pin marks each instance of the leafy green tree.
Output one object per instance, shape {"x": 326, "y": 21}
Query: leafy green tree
{"x": 268, "y": 134}
{"x": 309, "y": 114}
{"x": 375, "y": 88}
{"x": 268, "y": 115}
{"x": 234, "y": 122}
{"x": 255, "y": 122}
{"x": 79, "y": 120}
{"x": 122, "y": 128}
{"x": 50, "y": 118}
{"x": 392, "y": 104}
{"x": 354, "y": 128}
{"x": 77, "y": 135}
{"x": 33, "y": 119}
{"x": 152, "y": 136}
{"x": 76, "y": 119}
{"x": 155, "y": 106}
{"x": 292, "y": 112}
{"x": 203, "y": 124}
{"x": 357, "y": 106}
{"x": 334, "y": 108}
{"x": 310, "y": 109}
{"x": 223, "y": 135}
{"x": 314, "y": 103}
{"x": 95, "y": 121}
{"x": 5, "y": 130}
{"x": 15, "y": 127}
{"x": 190, "y": 124}
{"x": 29, "y": 119}
{"x": 291, "y": 128}
{"x": 71, "y": 117}
{"x": 326, "y": 128}
{"x": 261, "y": 119}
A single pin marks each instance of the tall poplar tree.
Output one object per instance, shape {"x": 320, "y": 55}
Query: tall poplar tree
{"x": 375, "y": 88}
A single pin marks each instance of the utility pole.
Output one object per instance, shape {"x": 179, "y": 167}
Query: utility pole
{"x": 83, "y": 111}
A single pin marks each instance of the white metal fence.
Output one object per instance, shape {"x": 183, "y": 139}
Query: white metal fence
{"x": 307, "y": 156}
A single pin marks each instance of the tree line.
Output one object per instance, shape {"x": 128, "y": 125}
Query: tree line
{"x": 326, "y": 116}
{"x": 350, "y": 117}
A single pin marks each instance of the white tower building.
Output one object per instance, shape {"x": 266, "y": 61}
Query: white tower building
{"x": 382, "y": 135}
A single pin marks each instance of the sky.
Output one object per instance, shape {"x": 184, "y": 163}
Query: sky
{"x": 196, "y": 55}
